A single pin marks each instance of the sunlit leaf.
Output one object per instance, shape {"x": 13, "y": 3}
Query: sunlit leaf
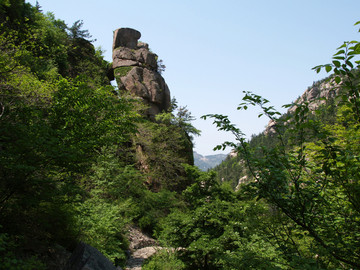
{"x": 328, "y": 68}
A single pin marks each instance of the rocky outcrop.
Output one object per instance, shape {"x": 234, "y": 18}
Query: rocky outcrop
{"x": 316, "y": 95}
{"x": 141, "y": 248}
{"x": 136, "y": 71}
{"x": 86, "y": 257}
{"x": 139, "y": 240}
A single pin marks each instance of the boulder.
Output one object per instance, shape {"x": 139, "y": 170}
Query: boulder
{"x": 126, "y": 37}
{"x": 86, "y": 257}
{"x": 146, "y": 57}
{"x": 148, "y": 85}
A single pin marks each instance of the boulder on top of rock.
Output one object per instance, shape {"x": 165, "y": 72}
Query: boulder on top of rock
{"x": 126, "y": 37}
{"x": 136, "y": 71}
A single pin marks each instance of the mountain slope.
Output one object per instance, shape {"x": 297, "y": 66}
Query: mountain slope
{"x": 207, "y": 162}
{"x": 320, "y": 95}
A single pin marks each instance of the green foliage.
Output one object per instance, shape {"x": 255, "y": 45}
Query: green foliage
{"x": 51, "y": 47}
{"x": 121, "y": 71}
{"x": 216, "y": 230}
{"x": 68, "y": 170}
{"x": 111, "y": 179}
{"x": 162, "y": 149}
{"x": 102, "y": 225}
{"x": 89, "y": 119}
{"x": 55, "y": 132}
{"x": 76, "y": 32}
{"x": 154, "y": 207}
{"x": 310, "y": 175}
{"x": 181, "y": 117}
{"x": 164, "y": 260}
{"x": 77, "y": 163}
{"x": 10, "y": 261}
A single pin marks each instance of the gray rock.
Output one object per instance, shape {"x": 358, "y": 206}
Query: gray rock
{"x": 124, "y": 63}
{"x": 139, "y": 240}
{"x": 327, "y": 89}
{"x": 143, "y": 80}
{"x": 123, "y": 56}
{"x": 146, "y": 57}
{"x": 150, "y": 86}
{"x": 143, "y": 45}
{"x": 123, "y": 53}
{"x": 86, "y": 257}
{"x": 126, "y": 37}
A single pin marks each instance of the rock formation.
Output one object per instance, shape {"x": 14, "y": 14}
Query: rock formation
{"x": 318, "y": 93}
{"x": 86, "y": 257}
{"x": 141, "y": 247}
{"x": 136, "y": 71}
{"x": 315, "y": 95}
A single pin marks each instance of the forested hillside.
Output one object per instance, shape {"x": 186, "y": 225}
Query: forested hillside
{"x": 70, "y": 168}
{"x": 320, "y": 98}
{"x": 305, "y": 166}
{"x": 81, "y": 161}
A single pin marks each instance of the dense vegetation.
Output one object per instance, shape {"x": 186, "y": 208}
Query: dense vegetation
{"x": 307, "y": 172}
{"x": 297, "y": 206}
{"x": 78, "y": 162}
{"x": 72, "y": 163}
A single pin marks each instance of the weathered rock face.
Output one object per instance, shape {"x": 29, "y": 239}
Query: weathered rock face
{"x": 136, "y": 71}
{"x": 327, "y": 90}
{"x": 315, "y": 95}
{"x": 86, "y": 257}
{"x": 126, "y": 37}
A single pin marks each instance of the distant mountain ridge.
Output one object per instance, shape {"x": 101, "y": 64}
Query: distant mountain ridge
{"x": 208, "y": 162}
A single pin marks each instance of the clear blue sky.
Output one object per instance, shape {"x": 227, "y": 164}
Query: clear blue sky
{"x": 213, "y": 50}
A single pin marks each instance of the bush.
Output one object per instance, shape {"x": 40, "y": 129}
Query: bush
{"x": 164, "y": 260}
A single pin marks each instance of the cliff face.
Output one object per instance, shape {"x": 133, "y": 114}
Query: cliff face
{"x": 136, "y": 71}
{"x": 326, "y": 90}
{"x": 315, "y": 95}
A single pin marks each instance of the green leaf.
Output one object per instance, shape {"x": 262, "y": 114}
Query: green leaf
{"x": 336, "y": 63}
{"x": 337, "y": 79}
{"x": 328, "y": 68}
{"x": 340, "y": 52}
{"x": 350, "y": 64}
{"x": 342, "y": 46}
{"x": 317, "y": 69}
